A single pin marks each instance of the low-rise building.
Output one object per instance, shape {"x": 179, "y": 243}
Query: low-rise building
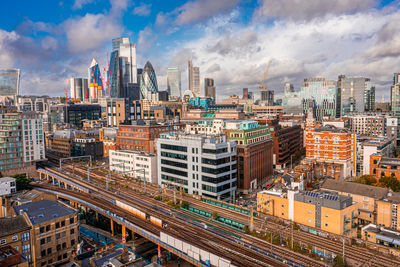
{"x": 7, "y": 186}
{"x": 108, "y": 136}
{"x": 9, "y": 256}
{"x": 380, "y": 235}
{"x": 16, "y": 233}
{"x": 142, "y": 164}
{"x": 55, "y": 231}
{"x": 381, "y": 166}
{"x": 322, "y": 210}
{"x": 200, "y": 164}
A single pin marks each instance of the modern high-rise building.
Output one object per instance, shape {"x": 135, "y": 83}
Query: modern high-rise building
{"x": 209, "y": 88}
{"x": 95, "y": 81}
{"x": 267, "y": 96}
{"x": 9, "y": 82}
{"x": 354, "y": 93}
{"x": 78, "y": 88}
{"x": 174, "y": 82}
{"x": 148, "y": 82}
{"x": 122, "y": 71}
{"x": 320, "y": 95}
{"x": 194, "y": 79}
{"x": 200, "y": 164}
{"x": 289, "y": 88}
{"x": 395, "y": 94}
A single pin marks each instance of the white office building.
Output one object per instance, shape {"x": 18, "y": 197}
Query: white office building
{"x": 174, "y": 82}
{"x": 200, "y": 164}
{"x": 143, "y": 165}
{"x": 32, "y": 137}
{"x": 7, "y": 186}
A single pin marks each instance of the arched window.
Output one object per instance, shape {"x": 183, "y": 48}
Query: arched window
{"x": 382, "y": 174}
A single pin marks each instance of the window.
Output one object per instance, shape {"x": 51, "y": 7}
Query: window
{"x": 48, "y": 239}
{"x": 283, "y": 214}
{"x": 15, "y": 238}
{"x": 72, "y": 231}
{"x": 47, "y": 228}
{"x": 42, "y": 229}
{"x": 48, "y": 251}
{"x": 26, "y": 248}
{"x": 25, "y": 237}
{"x": 72, "y": 242}
{"x": 43, "y": 263}
{"x": 64, "y": 255}
{"x": 59, "y": 258}
{"x": 62, "y": 223}
{"x": 58, "y": 236}
{"x": 326, "y": 215}
{"x": 64, "y": 245}
{"x": 43, "y": 253}
{"x": 283, "y": 205}
{"x": 63, "y": 234}
{"x": 71, "y": 220}
{"x": 58, "y": 247}
{"x": 309, "y": 220}
{"x": 57, "y": 225}
{"x": 42, "y": 241}
{"x": 326, "y": 225}
{"x": 2, "y": 241}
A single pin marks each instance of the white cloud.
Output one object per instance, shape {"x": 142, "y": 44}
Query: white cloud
{"x": 328, "y": 47}
{"x": 307, "y": 10}
{"x": 78, "y": 4}
{"x": 88, "y": 32}
{"x": 142, "y": 10}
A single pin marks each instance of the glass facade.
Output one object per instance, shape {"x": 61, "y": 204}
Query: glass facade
{"x": 9, "y": 82}
{"x": 78, "y": 88}
{"x": 148, "y": 81}
{"x": 174, "y": 82}
{"x": 94, "y": 74}
{"x": 320, "y": 95}
{"x": 353, "y": 94}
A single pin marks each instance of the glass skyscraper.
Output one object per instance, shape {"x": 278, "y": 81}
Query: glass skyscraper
{"x": 78, "y": 88}
{"x": 174, "y": 82}
{"x": 9, "y": 82}
{"x": 148, "y": 82}
{"x": 320, "y": 95}
{"x": 354, "y": 92}
{"x": 122, "y": 68}
{"x": 194, "y": 79}
{"x": 96, "y": 88}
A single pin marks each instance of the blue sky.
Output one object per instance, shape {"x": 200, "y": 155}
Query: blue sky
{"x": 231, "y": 41}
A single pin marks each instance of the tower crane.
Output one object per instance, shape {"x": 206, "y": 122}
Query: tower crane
{"x": 263, "y": 85}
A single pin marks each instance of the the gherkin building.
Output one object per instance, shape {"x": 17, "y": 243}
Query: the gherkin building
{"x": 148, "y": 81}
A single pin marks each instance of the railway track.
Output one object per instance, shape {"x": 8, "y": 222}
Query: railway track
{"x": 199, "y": 238}
{"x": 354, "y": 253}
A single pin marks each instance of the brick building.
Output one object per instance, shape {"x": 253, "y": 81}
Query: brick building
{"x": 141, "y": 135}
{"x": 381, "y": 166}
{"x": 331, "y": 145}
{"x": 55, "y": 231}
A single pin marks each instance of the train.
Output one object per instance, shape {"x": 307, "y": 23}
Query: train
{"x": 153, "y": 220}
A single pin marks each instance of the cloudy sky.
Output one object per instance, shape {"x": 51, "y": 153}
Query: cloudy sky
{"x": 231, "y": 41}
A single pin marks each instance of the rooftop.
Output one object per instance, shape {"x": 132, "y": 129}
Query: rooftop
{"x": 355, "y": 188}
{"x": 383, "y": 234}
{"x": 390, "y": 161}
{"x": 44, "y": 210}
{"x": 331, "y": 128}
{"x": 11, "y": 225}
{"x": 7, "y": 179}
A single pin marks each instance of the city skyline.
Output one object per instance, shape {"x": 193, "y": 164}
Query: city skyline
{"x": 232, "y": 42}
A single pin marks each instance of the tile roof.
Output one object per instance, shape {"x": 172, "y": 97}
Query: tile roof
{"x": 11, "y": 225}
{"x": 355, "y": 188}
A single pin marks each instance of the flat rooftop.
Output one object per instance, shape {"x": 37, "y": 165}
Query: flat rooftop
{"x": 44, "y": 210}
{"x": 11, "y": 225}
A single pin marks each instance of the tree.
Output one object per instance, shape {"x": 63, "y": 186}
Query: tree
{"x": 215, "y": 215}
{"x": 366, "y": 179}
{"x": 390, "y": 182}
{"x": 22, "y": 181}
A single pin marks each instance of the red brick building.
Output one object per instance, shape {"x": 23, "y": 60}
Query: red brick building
{"x": 381, "y": 166}
{"x": 141, "y": 136}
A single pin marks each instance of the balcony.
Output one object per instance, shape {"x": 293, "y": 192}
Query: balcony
{"x": 346, "y": 230}
{"x": 346, "y": 220}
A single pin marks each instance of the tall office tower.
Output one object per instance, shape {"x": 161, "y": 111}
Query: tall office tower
{"x": 245, "y": 93}
{"x": 209, "y": 88}
{"x": 289, "y": 88}
{"x": 148, "y": 82}
{"x": 395, "y": 94}
{"x": 194, "y": 79}
{"x": 122, "y": 68}
{"x": 174, "y": 82}
{"x": 369, "y": 96}
{"x": 78, "y": 88}
{"x": 9, "y": 82}
{"x": 320, "y": 95}
{"x": 352, "y": 94}
{"x": 267, "y": 96}
{"x": 95, "y": 81}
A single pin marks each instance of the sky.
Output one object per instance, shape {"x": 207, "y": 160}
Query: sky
{"x": 231, "y": 41}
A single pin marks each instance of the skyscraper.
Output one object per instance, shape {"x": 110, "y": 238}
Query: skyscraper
{"x": 9, "y": 82}
{"x": 122, "y": 68}
{"x": 353, "y": 93}
{"x": 148, "y": 82}
{"x": 174, "y": 82}
{"x": 320, "y": 95}
{"x": 194, "y": 79}
{"x": 78, "y": 88}
{"x": 209, "y": 88}
{"x": 95, "y": 80}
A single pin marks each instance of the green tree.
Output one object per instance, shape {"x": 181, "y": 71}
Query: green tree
{"x": 390, "y": 182}
{"x": 366, "y": 179}
{"x": 22, "y": 181}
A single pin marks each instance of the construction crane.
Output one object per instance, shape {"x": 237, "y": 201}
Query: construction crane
{"x": 263, "y": 85}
